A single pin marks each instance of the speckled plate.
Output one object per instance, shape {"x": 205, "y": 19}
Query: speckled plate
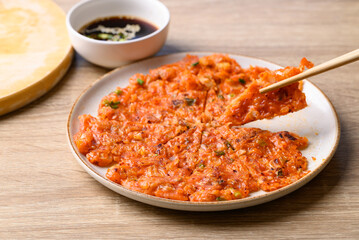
{"x": 318, "y": 122}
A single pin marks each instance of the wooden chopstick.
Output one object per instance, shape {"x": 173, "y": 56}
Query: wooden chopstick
{"x": 326, "y": 66}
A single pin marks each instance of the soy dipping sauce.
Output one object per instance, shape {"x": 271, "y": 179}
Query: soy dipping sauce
{"x": 117, "y": 28}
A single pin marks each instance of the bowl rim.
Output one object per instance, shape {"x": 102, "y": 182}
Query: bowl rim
{"x": 200, "y": 206}
{"x": 84, "y": 38}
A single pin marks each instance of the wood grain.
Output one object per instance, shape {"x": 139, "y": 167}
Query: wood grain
{"x": 45, "y": 194}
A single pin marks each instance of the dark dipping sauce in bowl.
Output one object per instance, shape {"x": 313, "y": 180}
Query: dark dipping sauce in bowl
{"x": 117, "y": 29}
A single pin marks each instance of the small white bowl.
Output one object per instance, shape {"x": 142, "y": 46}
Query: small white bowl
{"x": 111, "y": 54}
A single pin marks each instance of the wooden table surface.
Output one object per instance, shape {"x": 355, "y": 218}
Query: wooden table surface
{"x": 44, "y": 192}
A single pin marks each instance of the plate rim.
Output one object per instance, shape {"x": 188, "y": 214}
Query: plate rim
{"x": 202, "y": 206}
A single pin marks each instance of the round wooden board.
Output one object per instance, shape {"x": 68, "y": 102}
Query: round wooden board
{"x": 35, "y": 51}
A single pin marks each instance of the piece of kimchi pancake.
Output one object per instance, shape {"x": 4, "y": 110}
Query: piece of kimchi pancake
{"x": 165, "y": 172}
{"x": 226, "y": 80}
{"x": 169, "y": 93}
{"x": 106, "y": 141}
{"x": 251, "y": 105}
{"x": 238, "y": 161}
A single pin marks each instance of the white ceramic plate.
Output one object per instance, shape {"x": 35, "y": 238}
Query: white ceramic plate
{"x": 318, "y": 122}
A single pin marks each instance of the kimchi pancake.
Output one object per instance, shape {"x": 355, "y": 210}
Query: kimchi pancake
{"x": 170, "y": 133}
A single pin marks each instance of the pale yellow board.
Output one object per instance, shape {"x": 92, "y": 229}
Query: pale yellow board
{"x": 35, "y": 50}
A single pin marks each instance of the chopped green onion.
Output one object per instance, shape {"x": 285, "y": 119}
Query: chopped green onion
{"x": 190, "y": 101}
{"x": 140, "y": 81}
{"x": 112, "y": 104}
{"x": 104, "y": 36}
{"x": 229, "y": 145}
{"x": 231, "y": 95}
{"x": 118, "y": 91}
{"x": 122, "y": 36}
{"x": 220, "y": 96}
{"x": 219, "y": 199}
{"x": 201, "y": 165}
{"x": 241, "y": 80}
{"x": 237, "y": 194}
{"x": 219, "y": 153}
{"x": 195, "y": 64}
